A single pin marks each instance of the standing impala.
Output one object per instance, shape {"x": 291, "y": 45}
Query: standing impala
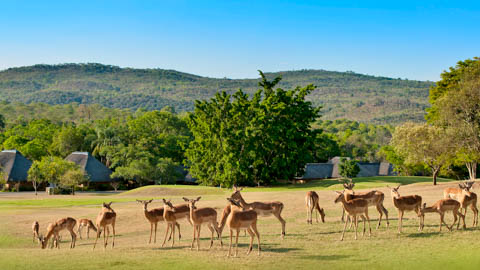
{"x": 240, "y": 218}
{"x": 54, "y": 229}
{"x": 107, "y": 216}
{"x": 374, "y": 198}
{"x": 154, "y": 216}
{"x": 85, "y": 223}
{"x": 311, "y": 200}
{"x": 405, "y": 204}
{"x": 199, "y": 216}
{"x": 354, "y": 208}
{"x": 262, "y": 208}
{"x": 440, "y": 207}
{"x": 35, "y": 229}
{"x": 465, "y": 197}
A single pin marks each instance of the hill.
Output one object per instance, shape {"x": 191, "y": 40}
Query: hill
{"x": 342, "y": 94}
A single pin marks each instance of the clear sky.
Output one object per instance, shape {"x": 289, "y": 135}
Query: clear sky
{"x": 407, "y": 39}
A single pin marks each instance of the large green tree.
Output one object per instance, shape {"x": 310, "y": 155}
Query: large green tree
{"x": 240, "y": 139}
{"x": 424, "y": 144}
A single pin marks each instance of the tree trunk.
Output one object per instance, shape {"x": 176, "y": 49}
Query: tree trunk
{"x": 472, "y": 170}
{"x": 35, "y": 187}
{"x": 435, "y": 173}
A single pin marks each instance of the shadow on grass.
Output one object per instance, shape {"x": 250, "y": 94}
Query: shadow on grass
{"x": 325, "y": 257}
{"x": 423, "y": 235}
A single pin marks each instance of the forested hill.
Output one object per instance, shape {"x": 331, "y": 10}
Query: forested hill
{"x": 342, "y": 94}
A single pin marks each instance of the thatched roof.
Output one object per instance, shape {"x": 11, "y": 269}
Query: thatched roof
{"x": 96, "y": 171}
{"x": 15, "y": 165}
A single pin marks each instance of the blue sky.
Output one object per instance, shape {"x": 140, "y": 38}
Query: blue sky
{"x": 407, "y": 39}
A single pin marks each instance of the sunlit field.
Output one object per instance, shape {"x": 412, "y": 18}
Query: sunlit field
{"x": 316, "y": 246}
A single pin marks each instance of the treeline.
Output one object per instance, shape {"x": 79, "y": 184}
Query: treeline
{"x": 348, "y": 95}
{"x": 449, "y": 143}
{"x": 149, "y": 146}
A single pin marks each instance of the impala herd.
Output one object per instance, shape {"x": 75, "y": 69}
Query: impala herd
{"x": 240, "y": 215}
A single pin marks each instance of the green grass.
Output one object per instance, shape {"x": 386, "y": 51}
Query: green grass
{"x": 305, "y": 246}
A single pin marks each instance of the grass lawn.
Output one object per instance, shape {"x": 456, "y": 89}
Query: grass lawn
{"x": 305, "y": 246}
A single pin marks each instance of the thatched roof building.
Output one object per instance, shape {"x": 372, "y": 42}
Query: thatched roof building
{"x": 14, "y": 165}
{"x": 96, "y": 171}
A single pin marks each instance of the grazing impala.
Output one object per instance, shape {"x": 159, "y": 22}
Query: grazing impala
{"x": 85, "y": 223}
{"x": 311, "y": 200}
{"x": 374, "y": 198}
{"x": 35, "y": 229}
{"x": 440, "y": 207}
{"x": 262, "y": 208}
{"x": 107, "y": 216}
{"x": 405, "y": 204}
{"x": 54, "y": 229}
{"x": 240, "y": 218}
{"x": 354, "y": 208}
{"x": 154, "y": 216}
{"x": 465, "y": 197}
{"x": 199, "y": 216}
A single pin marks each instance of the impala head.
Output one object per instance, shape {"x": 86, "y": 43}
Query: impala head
{"x": 234, "y": 202}
{"x": 191, "y": 202}
{"x": 168, "y": 205}
{"x": 107, "y": 206}
{"x": 145, "y": 203}
{"x": 466, "y": 185}
{"x": 349, "y": 185}
{"x": 41, "y": 240}
{"x": 236, "y": 193}
{"x": 322, "y": 215}
{"x": 394, "y": 191}
{"x": 340, "y": 197}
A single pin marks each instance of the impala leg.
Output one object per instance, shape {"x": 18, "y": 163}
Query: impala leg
{"x": 254, "y": 228}
{"x": 179, "y": 234}
{"x": 385, "y": 211}
{"x": 79, "y": 231}
{"x": 369, "y": 227}
{"x": 151, "y": 231}
{"x": 349, "y": 218}
{"x": 252, "y": 235}
{"x": 379, "y": 209}
{"x": 473, "y": 206}
{"x": 343, "y": 215}
{"x": 344, "y": 228}
{"x": 355, "y": 219}
{"x": 194, "y": 234}
{"x": 113, "y": 230}
{"x": 236, "y": 242}
{"x": 199, "y": 227}
{"x": 74, "y": 238}
{"x": 173, "y": 234}
{"x": 166, "y": 233}
{"x": 88, "y": 233}
{"x": 210, "y": 227}
{"x": 96, "y": 238}
{"x": 279, "y": 217}
{"x": 231, "y": 242}
{"x": 316, "y": 212}
{"x": 400, "y": 217}
{"x": 363, "y": 219}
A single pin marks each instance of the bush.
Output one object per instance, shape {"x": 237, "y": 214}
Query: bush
{"x": 348, "y": 168}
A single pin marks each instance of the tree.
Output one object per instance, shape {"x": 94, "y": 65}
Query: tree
{"x": 424, "y": 144}
{"x": 348, "y": 168}
{"x": 2, "y": 122}
{"x": 35, "y": 175}
{"x": 67, "y": 140}
{"x": 52, "y": 168}
{"x": 252, "y": 140}
{"x": 449, "y": 82}
{"x": 72, "y": 178}
{"x": 458, "y": 110}
{"x": 326, "y": 147}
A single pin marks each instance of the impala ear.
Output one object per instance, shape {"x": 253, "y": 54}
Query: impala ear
{"x": 164, "y": 201}
{"x": 150, "y": 201}
{"x": 337, "y": 192}
{"x": 198, "y": 199}
{"x": 185, "y": 199}
{"x": 139, "y": 201}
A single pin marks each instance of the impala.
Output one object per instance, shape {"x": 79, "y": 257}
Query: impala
{"x": 354, "y": 208}
{"x": 35, "y": 229}
{"x": 405, "y": 204}
{"x": 465, "y": 197}
{"x": 262, "y": 208}
{"x": 106, "y": 217}
{"x": 55, "y": 228}
{"x": 440, "y": 207}
{"x": 154, "y": 216}
{"x": 311, "y": 200}
{"x": 374, "y": 198}
{"x": 241, "y": 218}
{"x": 85, "y": 223}
{"x": 199, "y": 216}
